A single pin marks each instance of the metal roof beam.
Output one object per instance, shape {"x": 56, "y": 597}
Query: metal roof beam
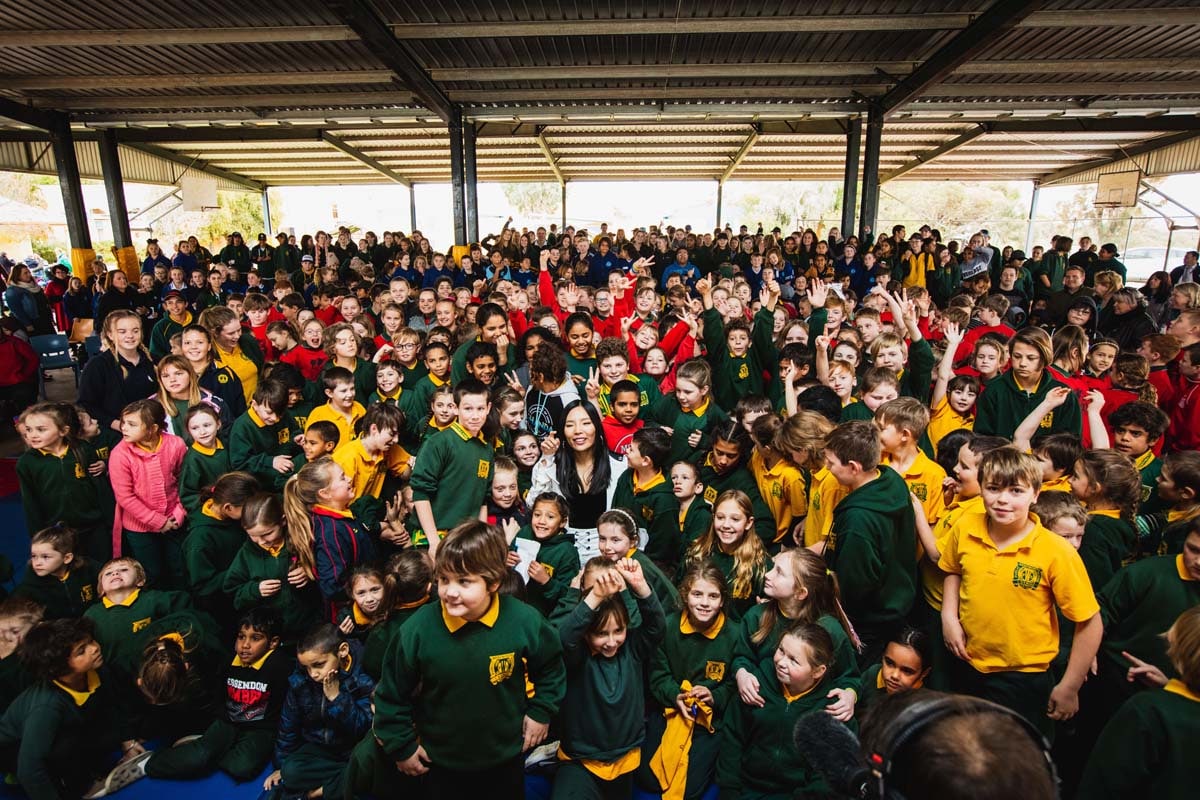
{"x": 1000, "y": 16}
{"x": 158, "y": 37}
{"x": 205, "y": 101}
{"x": 1067, "y": 89}
{"x": 27, "y": 115}
{"x": 1098, "y": 125}
{"x": 361, "y": 17}
{"x": 196, "y": 164}
{"x": 788, "y": 24}
{"x": 746, "y": 147}
{"x": 925, "y": 158}
{"x": 359, "y": 155}
{"x": 328, "y": 77}
{"x": 550, "y": 159}
{"x": 1118, "y": 155}
{"x": 835, "y": 91}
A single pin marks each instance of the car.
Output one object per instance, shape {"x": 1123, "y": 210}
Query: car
{"x": 1140, "y": 262}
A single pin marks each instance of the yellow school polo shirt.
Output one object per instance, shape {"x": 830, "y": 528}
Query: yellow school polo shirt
{"x": 244, "y": 368}
{"x": 824, "y": 493}
{"x": 328, "y": 413}
{"x": 364, "y": 470}
{"x": 931, "y": 576}
{"x": 782, "y": 488}
{"x": 945, "y": 419}
{"x": 924, "y": 479}
{"x": 1007, "y": 597}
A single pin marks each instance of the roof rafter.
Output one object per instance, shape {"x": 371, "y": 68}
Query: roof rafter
{"x": 941, "y": 150}
{"x": 359, "y": 155}
{"x": 550, "y": 159}
{"x": 195, "y": 163}
{"x": 736, "y": 161}
{"x": 1118, "y": 155}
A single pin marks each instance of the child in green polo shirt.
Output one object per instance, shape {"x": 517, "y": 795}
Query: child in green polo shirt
{"x": 59, "y": 578}
{"x": 451, "y": 477}
{"x": 452, "y": 701}
{"x": 695, "y": 513}
{"x": 1107, "y": 483}
{"x": 261, "y": 440}
{"x": 206, "y": 459}
{"x": 643, "y": 491}
{"x": 689, "y": 412}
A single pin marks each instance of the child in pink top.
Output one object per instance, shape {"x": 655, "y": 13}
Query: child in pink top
{"x": 144, "y": 469}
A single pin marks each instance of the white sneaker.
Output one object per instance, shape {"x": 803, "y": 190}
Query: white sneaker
{"x": 127, "y": 772}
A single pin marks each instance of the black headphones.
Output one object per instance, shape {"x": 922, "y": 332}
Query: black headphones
{"x": 924, "y": 713}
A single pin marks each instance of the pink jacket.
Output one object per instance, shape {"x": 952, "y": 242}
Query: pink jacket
{"x": 146, "y": 486}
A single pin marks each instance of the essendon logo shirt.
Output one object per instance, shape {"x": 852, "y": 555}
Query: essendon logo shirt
{"x": 246, "y": 701}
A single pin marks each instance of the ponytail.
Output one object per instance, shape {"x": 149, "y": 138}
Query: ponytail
{"x": 299, "y": 496}
{"x": 231, "y": 489}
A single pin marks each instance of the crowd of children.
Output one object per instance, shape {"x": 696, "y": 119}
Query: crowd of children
{"x": 603, "y": 524}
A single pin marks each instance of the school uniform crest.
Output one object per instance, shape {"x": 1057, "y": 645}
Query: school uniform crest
{"x": 284, "y": 436}
{"x": 79, "y": 473}
{"x": 484, "y": 466}
{"x": 87, "y": 593}
{"x": 1027, "y": 576}
{"x": 1047, "y": 421}
{"x": 776, "y": 490}
{"x": 710, "y": 494}
{"x": 222, "y": 377}
{"x": 714, "y": 670}
{"x": 744, "y": 371}
{"x": 501, "y": 667}
{"x": 919, "y": 490}
{"x": 140, "y": 624}
{"x": 648, "y": 513}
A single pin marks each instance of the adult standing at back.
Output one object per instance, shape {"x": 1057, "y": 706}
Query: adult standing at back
{"x": 233, "y": 346}
{"x": 1187, "y": 272}
{"x": 118, "y": 296}
{"x": 27, "y": 302}
{"x": 1108, "y": 261}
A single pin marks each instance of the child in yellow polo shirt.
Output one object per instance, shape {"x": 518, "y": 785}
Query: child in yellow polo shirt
{"x": 902, "y": 423}
{"x": 363, "y": 458}
{"x": 780, "y": 482}
{"x": 1005, "y": 576}
{"x": 341, "y": 408}
{"x": 803, "y": 440}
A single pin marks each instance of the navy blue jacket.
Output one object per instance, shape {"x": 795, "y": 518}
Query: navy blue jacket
{"x": 337, "y": 724}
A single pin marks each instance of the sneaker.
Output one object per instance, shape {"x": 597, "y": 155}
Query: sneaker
{"x": 185, "y": 739}
{"x": 97, "y": 790}
{"x": 127, "y": 772}
{"x": 547, "y": 753}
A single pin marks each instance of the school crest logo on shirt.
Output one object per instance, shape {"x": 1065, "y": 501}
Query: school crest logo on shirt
{"x": 222, "y": 378}
{"x": 482, "y": 470}
{"x": 777, "y": 490}
{"x": 1027, "y": 576}
{"x": 714, "y": 670}
{"x": 648, "y": 513}
{"x": 1047, "y": 421}
{"x": 710, "y": 494}
{"x": 284, "y": 436}
{"x": 919, "y": 490}
{"x": 140, "y": 624}
{"x": 744, "y": 371}
{"x": 102, "y": 453}
{"x": 500, "y": 668}
{"x": 79, "y": 473}
{"x": 87, "y": 593}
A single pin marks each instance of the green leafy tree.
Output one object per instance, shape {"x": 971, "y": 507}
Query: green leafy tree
{"x": 529, "y": 200}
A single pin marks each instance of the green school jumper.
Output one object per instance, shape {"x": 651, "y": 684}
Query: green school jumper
{"x": 655, "y": 509}
{"x": 201, "y": 468}
{"x": 1107, "y": 543}
{"x": 667, "y": 413}
{"x": 163, "y": 330}
{"x": 560, "y": 558}
{"x": 735, "y": 377}
{"x": 696, "y": 521}
{"x": 758, "y": 754}
{"x": 736, "y": 606}
{"x": 1149, "y": 468}
{"x": 581, "y": 367}
{"x": 253, "y": 444}
{"x": 458, "y": 363}
{"x": 660, "y": 584}
{"x": 459, "y": 687}
{"x": 742, "y": 479}
{"x": 381, "y": 636}
{"x": 1005, "y": 405}
{"x": 872, "y": 547}
{"x": 856, "y": 411}
{"x": 103, "y": 443}
{"x": 300, "y": 608}
{"x": 756, "y": 657}
{"x": 915, "y": 379}
{"x": 1148, "y": 749}
{"x": 1138, "y": 606}
{"x": 452, "y": 473}
{"x": 208, "y": 550}
{"x": 59, "y": 489}
{"x": 117, "y": 624}
{"x": 648, "y": 394}
{"x": 68, "y": 596}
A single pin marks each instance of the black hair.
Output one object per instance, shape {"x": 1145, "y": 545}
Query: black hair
{"x": 918, "y": 641}
{"x": 46, "y": 651}
{"x": 273, "y": 395}
{"x": 264, "y": 619}
{"x": 948, "y": 447}
{"x": 730, "y": 430}
{"x": 284, "y": 373}
{"x": 822, "y": 400}
{"x": 545, "y": 334}
{"x": 1145, "y": 415}
{"x": 568, "y": 478}
{"x": 323, "y": 637}
{"x": 654, "y": 444}
{"x": 1062, "y": 449}
{"x": 480, "y": 349}
{"x": 384, "y": 416}
{"x": 625, "y": 385}
{"x": 470, "y": 386}
{"x": 327, "y": 430}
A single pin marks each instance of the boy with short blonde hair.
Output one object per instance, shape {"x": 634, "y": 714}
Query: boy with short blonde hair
{"x": 902, "y": 423}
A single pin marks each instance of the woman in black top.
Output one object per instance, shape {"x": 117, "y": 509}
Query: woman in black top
{"x": 118, "y": 296}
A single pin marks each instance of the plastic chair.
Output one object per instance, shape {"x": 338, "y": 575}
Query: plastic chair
{"x": 54, "y": 352}
{"x": 92, "y": 345}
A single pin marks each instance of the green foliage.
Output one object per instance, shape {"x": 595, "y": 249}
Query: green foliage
{"x": 532, "y": 199}
{"x": 239, "y": 211}
{"x": 958, "y": 209}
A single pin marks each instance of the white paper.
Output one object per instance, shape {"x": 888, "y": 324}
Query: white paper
{"x": 527, "y": 549}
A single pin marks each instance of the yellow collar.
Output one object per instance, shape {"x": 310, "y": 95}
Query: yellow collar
{"x": 274, "y": 551}
{"x": 393, "y": 396}
{"x": 255, "y": 418}
{"x": 1035, "y": 386}
{"x": 413, "y": 604}
{"x": 1184, "y": 575}
{"x": 1144, "y": 460}
{"x": 464, "y": 434}
{"x": 789, "y": 697}
{"x": 66, "y": 448}
{"x": 208, "y": 511}
{"x": 702, "y": 408}
{"x": 151, "y": 448}
{"x": 657, "y": 480}
{"x": 207, "y": 451}
{"x": 237, "y": 662}
{"x": 176, "y": 637}
{"x": 93, "y": 683}
{"x": 489, "y": 617}
{"x": 360, "y": 618}
{"x": 686, "y": 627}
{"x": 436, "y": 380}
{"x": 344, "y": 513}
{"x": 433, "y": 424}
{"x": 1174, "y": 686}
{"x": 1105, "y": 512}
{"x": 1062, "y": 484}
{"x": 127, "y": 602}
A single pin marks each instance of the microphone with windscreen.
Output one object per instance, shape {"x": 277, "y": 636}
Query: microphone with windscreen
{"x": 832, "y": 749}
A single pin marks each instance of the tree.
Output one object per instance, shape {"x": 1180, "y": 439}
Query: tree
{"x": 532, "y": 199}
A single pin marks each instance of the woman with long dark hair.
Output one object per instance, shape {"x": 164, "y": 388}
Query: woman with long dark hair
{"x": 1157, "y": 292}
